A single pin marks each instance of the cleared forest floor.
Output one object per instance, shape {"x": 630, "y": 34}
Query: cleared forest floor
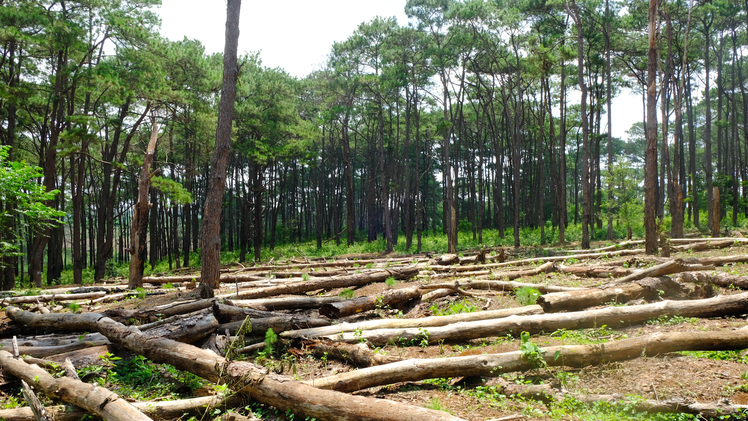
{"x": 543, "y": 392}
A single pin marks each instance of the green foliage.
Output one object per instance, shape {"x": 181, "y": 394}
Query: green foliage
{"x": 390, "y": 282}
{"x": 672, "y": 320}
{"x": 174, "y": 191}
{"x": 271, "y": 339}
{"x": 531, "y": 351}
{"x": 348, "y": 293}
{"x": 463, "y": 306}
{"x": 527, "y": 295}
{"x": 74, "y": 307}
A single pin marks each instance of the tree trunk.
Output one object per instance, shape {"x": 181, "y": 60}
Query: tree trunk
{"x": 210, "y": 252}
{"x": 140, "y": 216}
{"x": 650, "y": 164}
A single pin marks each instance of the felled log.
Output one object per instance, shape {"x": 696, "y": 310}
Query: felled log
{"x": 158, "y": 410}
{"x": 500, "y": 286}
{"x": 331, "y": 283}
{"x": 706, "y": 245}
{"x": 277, "y": 323}
{"x": 615, "y": 317}
{"x": 724, "y": 280}
{"x": 448, "y": 259}
{"x": 149, "y": 315}
{"x": 723, "y": 260}
{"x": 648, "y": 289}
{"x": 361, "y": 304}
{"x": 667, "y": 268}
{"x": 94, "y": 399}
{"x": 568, "y": 355}
{"x": 433, "y": 321}
{"x": 286, "y": 303}
{"x": 186, "y": 328}
{"x": 359, "y": 355}
{"x": 596, "y": 271}
{"x": 278, "y": 391}
{"x": 84, "y": 357}
{"x": 226, "y": 313}
{"x": 50, "y": 297}
{"x": 619, "y": 246}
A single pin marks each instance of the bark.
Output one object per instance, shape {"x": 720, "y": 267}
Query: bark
{"x": 278, "y": 323}
{"x": 36, "y": 406}
{"x": 149, "y": 315}
{"x": 332, "y": 283}
{"x": 230, "y": 313}
{"x": 52, "y": 297}
{"x": 650, "y": 161}
{"x": 667, "y": 268}
{"x": 614, "y": 317}
{"x": 270, "y": 389}
{"x": 158, "y": 410}
{"x": 359, "y": 355}
{"x": 94, "y": 399}
{"x": 595, "y": 271}
{"x": 559, "y": 356}
{"x": 501, "y": 286}
{"x": 721, "y": 279}
{"x": 210, "y": 252}
{"x": 648, "y": 289}
{"x": 287, "y": 303}
{"x": 186, "y": 328}
{"x": 361, "y": 304}
{"x": 140, "y": 216}
{"x": 716, "y": 212}
{"x": 410, "y": 323}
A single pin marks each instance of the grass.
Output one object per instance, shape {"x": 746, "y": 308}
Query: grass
{"x": 458, "y": 307}
{"x": 527, "y": 296}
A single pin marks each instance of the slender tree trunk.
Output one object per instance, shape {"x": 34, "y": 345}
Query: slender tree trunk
{"x": 210, "y": 252}
{"x": 650, "y": 164}
{"x": 140, "y": 216}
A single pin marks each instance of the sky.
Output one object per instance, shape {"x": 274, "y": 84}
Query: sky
{"x": 297, "y": 35}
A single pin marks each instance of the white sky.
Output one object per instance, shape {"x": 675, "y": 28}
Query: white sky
{"x": 297, "y": 35}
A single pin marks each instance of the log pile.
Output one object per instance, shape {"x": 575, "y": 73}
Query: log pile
{"x": 307, "y": 306}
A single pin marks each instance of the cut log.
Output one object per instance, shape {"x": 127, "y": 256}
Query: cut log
{"x": 286, "y": 303}
{"x": 149, "y": 315}
{"x": 569, "y": 356}
{"x": 706, "y": 245}
{"x": 501, "y": 286}
{"x": 359, "y": 355}
{"x": 648, "y": 289}
{"x": 277, "y": 323}
{"x": 186, "y": 328}
{"x": 614, "y": 317}
{"x": 270, "y": 389}
{"x": 51, "y": 297}
{"x": 667, "y": 268}
{"x": 723, "y": 260}
{"x": 721, "y": 279}
{"x": 331, "y": 283}
{"x": 447, "y": 260}
{"x": 158, "y": 410}
{"x": 596, "y": 271}
{"x": 361, "y": 304}
{"x": 84, "y": 357}
{"x": 619, "y": 246}
{"x": 433, "y": 321}
{"x": 94, "y": 399}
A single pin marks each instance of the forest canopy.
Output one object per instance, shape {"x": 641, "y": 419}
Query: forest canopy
{"x": 464, "y": 122}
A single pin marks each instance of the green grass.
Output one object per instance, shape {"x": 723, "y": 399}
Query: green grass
{"x": 527, "y": 296}
{"x": 463, "y": 306}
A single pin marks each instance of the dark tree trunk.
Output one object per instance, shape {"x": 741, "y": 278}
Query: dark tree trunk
{"x": 210, "y": 252}
{"x": 140, "y": 216}
{"x": 650, "y": 164}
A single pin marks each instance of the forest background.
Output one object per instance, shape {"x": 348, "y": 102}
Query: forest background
{"x": 458, "y": 123}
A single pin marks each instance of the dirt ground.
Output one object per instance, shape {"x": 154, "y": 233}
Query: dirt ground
{"x": 690, "y": 376}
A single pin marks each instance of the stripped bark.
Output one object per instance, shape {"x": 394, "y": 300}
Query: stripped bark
{"x": 433, "y": 321}
{"x": 615, "y": 317}
{"x": 94, "y": 399}
{"x": 270, "y": 389}
{"x": 569, "y": 356}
